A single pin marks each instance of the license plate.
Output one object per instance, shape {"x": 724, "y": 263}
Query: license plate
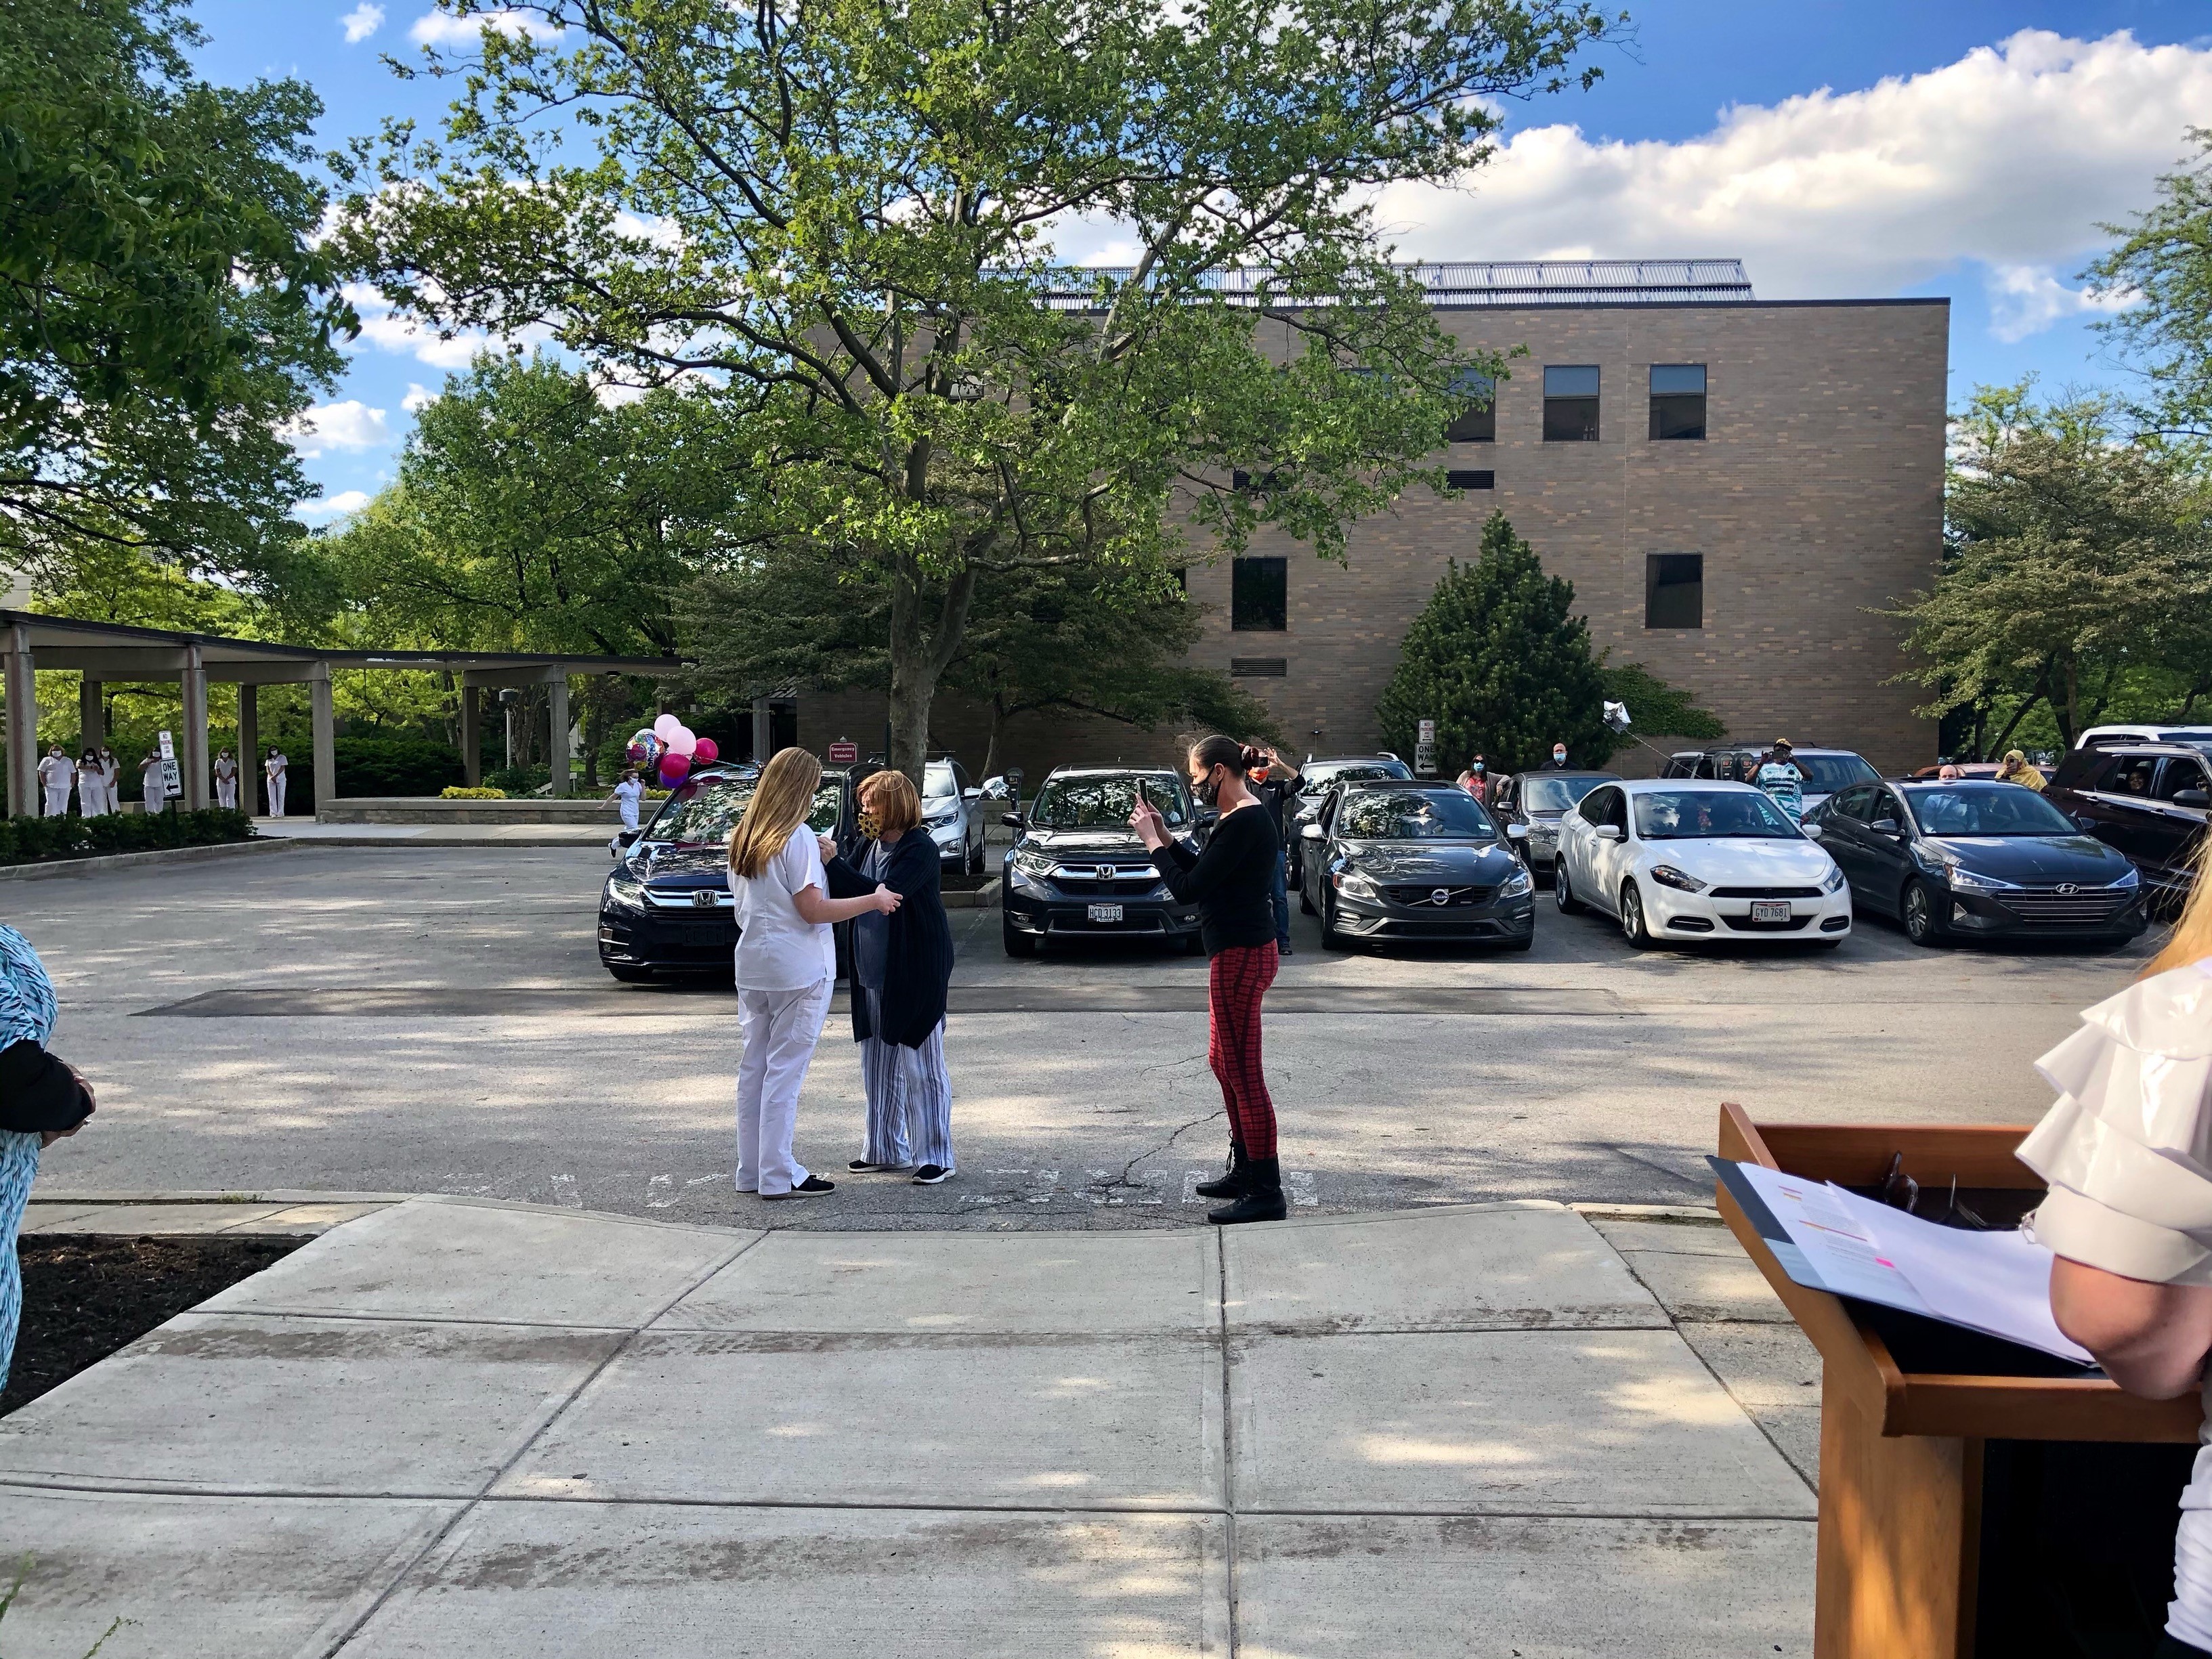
{"x": 1769, "y": 910}
{"x": 1105, "y": 912}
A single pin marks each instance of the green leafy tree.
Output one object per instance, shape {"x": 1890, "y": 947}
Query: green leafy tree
{"x": 840, "y": 219}
{"x": 163, "y": 313}
{"x": 1657, "y": 708}
{"x": 2163, "y": 263}
{"x": 1499, "y": 661}
{"x": 2076, "y": 558}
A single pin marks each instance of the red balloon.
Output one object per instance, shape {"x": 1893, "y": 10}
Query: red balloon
{"x": 674, "y": 768}
{"x": 707, "y": 751}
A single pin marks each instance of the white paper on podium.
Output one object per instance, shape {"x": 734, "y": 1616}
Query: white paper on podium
{"x": 1997, "y": 1283}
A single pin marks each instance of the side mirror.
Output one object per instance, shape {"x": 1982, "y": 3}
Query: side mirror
{"x": 1517, "y": 831}
{"x": 971, "y": 793}
{"x": 1312, "y": 832}
{"x": 1885, "y": 827}
{"x": 1812, "y": 829}
{"x": 2199, "y": 798}
{"x": 1209, "y": 816}
{"x": 1013, "y": 821}
{"x": 1608, "y": 832}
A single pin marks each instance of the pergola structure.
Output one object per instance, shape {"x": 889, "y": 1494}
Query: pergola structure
{"x": 110, "y": 651}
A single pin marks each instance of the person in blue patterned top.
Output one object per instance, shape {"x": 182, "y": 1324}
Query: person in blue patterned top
{"x": 41, "y": 1100}
{"x": 1778, "y": 776}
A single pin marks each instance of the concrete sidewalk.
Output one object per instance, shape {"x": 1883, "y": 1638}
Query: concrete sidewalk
{"x": 309, "y": 830}
{"x": 455, "y": 1427}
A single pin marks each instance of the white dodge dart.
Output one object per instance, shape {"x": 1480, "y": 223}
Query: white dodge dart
{"x": 1676, "y": 859}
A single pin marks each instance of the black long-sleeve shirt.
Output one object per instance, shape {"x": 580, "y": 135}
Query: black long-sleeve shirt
{"x": 1232, "y": 881}
{"x": 37, "y": 1092}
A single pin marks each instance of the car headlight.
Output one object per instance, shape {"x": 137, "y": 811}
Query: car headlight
{"x": 1352, "y": 885}
{"x": 1833, "y": 881}
{"x": 1680, "y": 880}
{"x": 1519, "y": 885}
{"x": 1966, "y": 881}
{"x": 625, "y": 893}
{"x": 1932, "y": 862}
{"x": 2128, "y": 879}
{"x": 1035, "y": 864}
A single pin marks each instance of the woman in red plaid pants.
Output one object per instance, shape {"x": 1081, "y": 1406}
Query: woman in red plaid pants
{"x": 1232, "y": 884}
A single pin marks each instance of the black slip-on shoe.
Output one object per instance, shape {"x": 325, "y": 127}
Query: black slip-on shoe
{"x": 861, "y": 1166}
{"x": 930, "y": 1174}
{"x": 813, "y": 1186}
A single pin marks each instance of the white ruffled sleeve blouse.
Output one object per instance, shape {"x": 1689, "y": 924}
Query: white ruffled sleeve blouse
{"x": 2127, "y": 1150}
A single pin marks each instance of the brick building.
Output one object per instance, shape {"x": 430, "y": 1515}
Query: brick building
{"x": 1734, "y": 486}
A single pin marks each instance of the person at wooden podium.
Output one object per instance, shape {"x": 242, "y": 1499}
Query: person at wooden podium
{"x": 2127, "y": 1152}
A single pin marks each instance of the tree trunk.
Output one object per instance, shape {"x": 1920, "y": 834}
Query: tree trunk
{"x": 919, "y": 660}
{"x": 991, "y": 746}
{"x": 2018, "y": 715}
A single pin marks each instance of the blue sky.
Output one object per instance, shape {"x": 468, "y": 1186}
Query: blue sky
{"x": 1841, "y": 148}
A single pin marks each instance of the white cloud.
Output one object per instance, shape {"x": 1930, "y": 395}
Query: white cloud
{"x": 332, "y": 507}
{"x": 418, "y": 399}
{"x": 438, "y": 29}
{"x": 2009, "y": 156}
{"x": 2025, "y": 300}
{"x": 363, "y": 21}
{"x": 387, "y": 332}
{"x": 348, "y": 425}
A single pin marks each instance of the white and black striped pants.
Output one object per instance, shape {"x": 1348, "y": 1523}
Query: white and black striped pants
{"x": 909, "y": 1096}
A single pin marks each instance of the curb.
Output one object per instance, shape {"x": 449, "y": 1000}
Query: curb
{"x": 437, "y": 837}
{"x": 1697, "y": 1212}
{"x": 55, "y": 868}
{"x": 266, "y": 1196}
{"x": 974, "y": 898}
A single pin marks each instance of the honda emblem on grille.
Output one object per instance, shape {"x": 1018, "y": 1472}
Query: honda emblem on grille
{"x": 1104, "y": 872}
{"x": 2066, "y": 889}
{"x": 1440, "y": 896}
{"x": 704, "y": 897}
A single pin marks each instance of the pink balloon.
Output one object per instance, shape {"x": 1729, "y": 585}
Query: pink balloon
{"x": 707, "y": 752}
{"x": 667, "y": 727}
{"x": 674, "y": 768}
{"x": 685, "y": 742}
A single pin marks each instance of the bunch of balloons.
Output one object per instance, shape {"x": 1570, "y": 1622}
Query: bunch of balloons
{"x": 668, "y": 750}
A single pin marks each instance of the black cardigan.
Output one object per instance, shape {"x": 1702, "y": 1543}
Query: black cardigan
{"x": 1232, "y": 881}
{"x": 37, "y": 1092}
{"x": 918, "y": 955}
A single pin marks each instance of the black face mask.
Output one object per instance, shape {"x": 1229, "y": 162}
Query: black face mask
{"x": 1207, "y": 792}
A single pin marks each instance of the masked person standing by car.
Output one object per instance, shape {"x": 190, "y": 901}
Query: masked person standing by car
{"x": 2015, "y": 768}
{"x": 1231, "y": 883}
{"x": 1558, "y": 760}
{"x": 902, "y": 974}
{"x": 1274, "y": 782}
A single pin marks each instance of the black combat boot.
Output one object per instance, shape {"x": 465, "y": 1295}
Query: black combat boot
{"x": 1262, "y": 1199}
{"x": 1230, "y": 1185}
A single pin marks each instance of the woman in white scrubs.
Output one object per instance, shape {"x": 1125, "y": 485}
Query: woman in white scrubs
{"x": 111, "y": 772}
{"x": 92, "y": 797}
{"x": 786, "y": 962}
{"x": 153, "y": 782}
{"x": 275, "y": 766}
{"x": 57, "y": 775}
{"x": 2127, "y": 1151}
{"x": 226, "y": 779}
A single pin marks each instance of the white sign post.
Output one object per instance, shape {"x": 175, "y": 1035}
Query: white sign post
{"x": 172, "y": 777}
{"x": 1424, "y": 749}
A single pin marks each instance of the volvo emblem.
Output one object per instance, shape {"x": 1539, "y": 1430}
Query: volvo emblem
{"x": 1440, "y": 896}
{"x": 704, "y": 897}
{"x": 2066, "y": 889}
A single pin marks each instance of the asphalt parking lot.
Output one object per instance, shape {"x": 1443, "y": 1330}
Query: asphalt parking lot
{"x": 361, "y": 1019}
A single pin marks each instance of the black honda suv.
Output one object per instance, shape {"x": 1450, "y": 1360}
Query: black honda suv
{"x": 667, "y": 906}
{"x": 1077, "y": 870}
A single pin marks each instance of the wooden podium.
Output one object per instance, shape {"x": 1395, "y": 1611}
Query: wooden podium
{"x": 1945, "y": 1472}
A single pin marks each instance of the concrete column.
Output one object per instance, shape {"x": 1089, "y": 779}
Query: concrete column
{"x": 91, "y": 715}
{"x": 763, "y": 731}
{"x": 22, "y": 688}
{"x": 323, "y": 719}
{"x": 559, "y": 750}
{"x": 251, "y": 777}
{"x": 471, "y": 738}
{"x": 192, "y": 758}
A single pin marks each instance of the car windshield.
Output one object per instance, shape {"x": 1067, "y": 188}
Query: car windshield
{"x": 704, "y": 811}
{"x": 937, "y": 782}
{"x": 1702, "y": 814}
{"x": 2002, "y": 808}
{"x": 1825, "y": 774}
{"x": 1321, "y": 774}
{"x": 1541, "y": 794}
{"x": 1105, "y": 803}
{"x": 1413, "y": 815}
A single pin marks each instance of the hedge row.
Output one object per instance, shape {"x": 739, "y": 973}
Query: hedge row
{"x": 29, "y": 840}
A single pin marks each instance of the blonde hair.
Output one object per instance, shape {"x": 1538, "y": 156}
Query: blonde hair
{"x": 2191, "y": 940}
{"x": 890, "y": 796}
{"x": 780, "y": 802}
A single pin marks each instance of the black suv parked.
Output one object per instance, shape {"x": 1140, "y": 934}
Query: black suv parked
{"x": 667, "y": 906}
{"x": 1319, "y": 775}
{"x": 1537, "y": 801}
{"x": 2147, "y": 800}
{"x": 1077, "y": 870}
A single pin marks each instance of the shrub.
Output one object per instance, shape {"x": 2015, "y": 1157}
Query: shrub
{"x": 462, "y": 791}
{"x": 395, "y": 766}
{"x": 31, "y": 841}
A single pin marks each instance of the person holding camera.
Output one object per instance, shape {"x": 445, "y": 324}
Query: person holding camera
{"x": 1232, "y": 882}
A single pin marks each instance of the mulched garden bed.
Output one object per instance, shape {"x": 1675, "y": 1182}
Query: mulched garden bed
{"x": 85, "y": 1296}
{"x": 959, "y": 881}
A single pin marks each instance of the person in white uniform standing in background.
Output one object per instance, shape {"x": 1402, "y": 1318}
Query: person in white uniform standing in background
{"x": 2127, "y": 1150}
{"x": 275, "y": 766}
{"x": 226, "y": 779}
{"x": 92, "y": 797}
{"x": 627, "y": 795}
{"x": 56, "y": 775}
{"x": 786, "y": 962}
{"x": 153, "y": 782}
{"x": 111, "y": 776}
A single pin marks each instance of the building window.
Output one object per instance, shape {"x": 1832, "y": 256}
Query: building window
{"x": 1259, "y": 668}
{"x": 1678, "y": 400}
{"x": 1673, "y": 590}
{"x": 1478, "y": 425}
{"x": 1258, "y": 595}
{"x": 1459, "y": 480}
{"x": 1571, "y": 404}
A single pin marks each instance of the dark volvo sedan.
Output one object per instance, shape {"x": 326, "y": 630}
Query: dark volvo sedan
{"x": 1077, "y": 870}
{"x": 1973, "y": 859}
{"x": 1414, "y": 861}
{"x": 667, "y": 908}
